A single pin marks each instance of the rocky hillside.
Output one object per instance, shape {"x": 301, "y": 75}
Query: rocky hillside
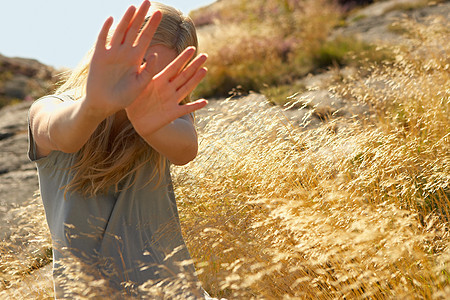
{"x": 314, "y": 104}
{"x": 24, "y": 79}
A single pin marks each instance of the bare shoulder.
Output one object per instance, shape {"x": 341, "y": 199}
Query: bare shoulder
{"x": 47, "y": 103}
{"x": 39, "y": 114}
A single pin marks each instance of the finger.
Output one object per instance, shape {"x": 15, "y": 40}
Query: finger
{"x": 146, "y": 35}
{"x": 177, "y": 64}
{"x": 191, "y": 107}
{"x": 103, "y": 35}
{"x": 136, "y": 23}
{"x": 189, "y": 71}
{"x": 119, "y": 33}
{"x": 191, "y": 84}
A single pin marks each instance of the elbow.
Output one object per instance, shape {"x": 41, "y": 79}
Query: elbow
{"x": 66, "y": 145}
{"x": 185, "y": 155}
{"x": 67, "y": 148}
{"x": 63, "y": 142}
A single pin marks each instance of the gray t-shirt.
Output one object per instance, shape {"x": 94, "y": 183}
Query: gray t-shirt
{"x": 128, "y": 238}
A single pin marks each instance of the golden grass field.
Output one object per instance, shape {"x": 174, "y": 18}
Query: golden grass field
{"x": 353, "y": 209}
{"x": 270, "y": 211}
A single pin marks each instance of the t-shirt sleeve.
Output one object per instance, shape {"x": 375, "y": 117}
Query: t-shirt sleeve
{"x": 31, "y": 144}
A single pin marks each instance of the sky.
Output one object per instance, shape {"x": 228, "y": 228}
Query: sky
{"x": 60, "y": 32}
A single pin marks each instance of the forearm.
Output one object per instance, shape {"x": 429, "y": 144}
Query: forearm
{"x": 176, "y": 141}
{"x": 71, "y": 126}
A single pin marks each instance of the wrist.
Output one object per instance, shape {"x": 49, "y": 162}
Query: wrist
{"x": 93, "y": 112}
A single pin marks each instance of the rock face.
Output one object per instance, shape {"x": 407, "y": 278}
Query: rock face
{"x": 371, "y": 24}
{"x": 18, "y": 180}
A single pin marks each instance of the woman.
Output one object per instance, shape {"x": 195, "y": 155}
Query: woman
{"x": 102, "y": 145}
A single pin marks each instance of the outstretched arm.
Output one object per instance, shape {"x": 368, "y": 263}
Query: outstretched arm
{"x": 64, "y": 126}
{"x": 116, "y": 78}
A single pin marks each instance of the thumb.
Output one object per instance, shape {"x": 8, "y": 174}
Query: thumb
{"x": 191, "y": 106}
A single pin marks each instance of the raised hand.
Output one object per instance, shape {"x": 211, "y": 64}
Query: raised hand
{"x": 159, "y": 103}
{"x": 116, "y": 74}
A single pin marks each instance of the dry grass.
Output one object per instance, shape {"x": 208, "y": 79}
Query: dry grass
{"x": 24, "y": 253}
{"x": 272, "y": 212}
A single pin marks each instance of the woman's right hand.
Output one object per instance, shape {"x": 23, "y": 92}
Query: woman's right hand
{"x": 116, "y": 75}
{"x": 116, "y": 78}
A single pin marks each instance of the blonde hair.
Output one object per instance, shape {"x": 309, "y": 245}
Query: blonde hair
{"x": 108, "y": 158}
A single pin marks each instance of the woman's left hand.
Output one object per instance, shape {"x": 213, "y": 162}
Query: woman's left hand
{"x": 159, "y": 104}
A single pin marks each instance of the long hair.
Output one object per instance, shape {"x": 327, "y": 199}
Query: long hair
{"x": 108, "y": 157}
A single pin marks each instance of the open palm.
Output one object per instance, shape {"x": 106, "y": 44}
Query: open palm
{"x": 116, "y": 76}
{"x": 159, "y": 103}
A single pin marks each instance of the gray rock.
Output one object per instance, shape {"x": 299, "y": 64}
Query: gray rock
{"x": 17, "y": 87}
{"x": 372, "y": 24}
{"x": 18, "y": 177}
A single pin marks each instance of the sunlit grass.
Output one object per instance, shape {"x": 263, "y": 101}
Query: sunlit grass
{"x": 24, "y": 253}
{"x": 270, "y": 211}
